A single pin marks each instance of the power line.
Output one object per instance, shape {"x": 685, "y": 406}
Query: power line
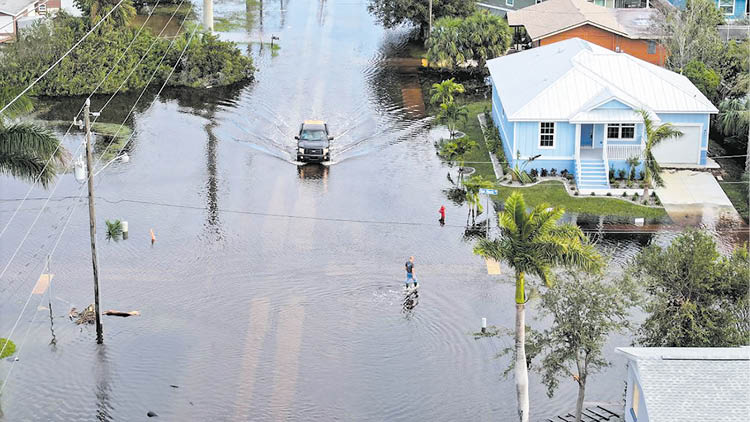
{"x": 81, "y": 189}
{"x": 101, "y": 82}
{"x": 57, "y": 184}
{"x": 61, "y": 58}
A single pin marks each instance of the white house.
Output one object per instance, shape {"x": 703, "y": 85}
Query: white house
{"x": 572, "y": 105}
{"x": 687, "y": 384}
{"x": 12, "y": 11}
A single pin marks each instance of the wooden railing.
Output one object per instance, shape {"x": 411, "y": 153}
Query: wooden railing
{"x": 623, "y": 152}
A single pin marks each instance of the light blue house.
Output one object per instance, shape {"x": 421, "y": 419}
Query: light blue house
{"x": 668, "y": 384}
{"x": 731, "y": 9}
{"x": 572, "y": 105}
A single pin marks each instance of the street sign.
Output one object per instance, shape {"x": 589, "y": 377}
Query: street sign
{"x": 488, "y": 191}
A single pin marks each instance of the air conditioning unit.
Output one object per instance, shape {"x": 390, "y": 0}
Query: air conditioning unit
{"x": 42, "y": 8}
{"x": 617, "y": 49}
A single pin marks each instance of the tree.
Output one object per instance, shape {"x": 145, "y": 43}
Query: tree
{"x": 473, "y": 185}
{"x": 392, "y": 13}
{"x": 533, "y": 243}
{"x": 734, "y": 122}
{"x": 444, "y": 91}
{"x": 479, "y": 37}
{"x": 25, "y": 147}
{"x": 703, "y": 77}
{"x": 632, "y": 163}
{"x": 95, "y": 10}
{"x": 691, "y": 33}
{"x": 451, "y": 114}
{"x": 455, "y": 150}
{"x": 654, "y": 136}
{"x": 695, "y": 297}
{"x": 585, "y": 310}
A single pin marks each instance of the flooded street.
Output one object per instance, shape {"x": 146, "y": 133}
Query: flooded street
{"x": 272, "y": 291}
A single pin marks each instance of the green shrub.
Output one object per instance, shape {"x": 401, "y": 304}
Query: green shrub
{"x": 9, "y": 346}
{"x": 207, "y": 60}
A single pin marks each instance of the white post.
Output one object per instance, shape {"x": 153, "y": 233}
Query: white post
{"x": 578, "y": 152}
{"x": 484, "y": 325}
{"x": 208, "y": 15}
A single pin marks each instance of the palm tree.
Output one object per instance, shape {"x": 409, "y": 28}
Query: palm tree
{"x": 444, "y": 46}
{"x": 456, "y": 150}
{"x": 97, "y": 9}
{"x": 451, "y": 114}
{"x": 25, "y": 147}
{"x": 442, "y": 93}
{"x": 632, "y": 163}
{"x": 734, "y": 121}
{"x": 486, "y": 36}
{"x": 473, "y": 185}
{"x": 533, "y": 243}
{"x": 654, "y": 136}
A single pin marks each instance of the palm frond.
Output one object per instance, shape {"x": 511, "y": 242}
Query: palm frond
{"x": 33, "y": 140}
{"x": 26, "y": 168}
{"x": 22, "y": 105}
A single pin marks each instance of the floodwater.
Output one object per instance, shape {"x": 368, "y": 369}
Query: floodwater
{"x": 272, "y": 291}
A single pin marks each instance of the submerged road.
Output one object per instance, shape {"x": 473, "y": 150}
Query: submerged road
{"x": 293, "y": 310}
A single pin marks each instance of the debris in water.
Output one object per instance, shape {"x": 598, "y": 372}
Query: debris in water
{"x": 151, "y": 414}
{"x": 174, "y": 386}
{"x": 87, "y": 316}
{"x": 112, "y": 312}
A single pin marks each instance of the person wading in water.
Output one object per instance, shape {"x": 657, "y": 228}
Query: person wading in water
{"x": 410, "y": 272}
{"x": 442, "y": 215}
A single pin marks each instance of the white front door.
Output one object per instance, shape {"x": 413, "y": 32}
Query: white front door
{"x": 683, "y": 150}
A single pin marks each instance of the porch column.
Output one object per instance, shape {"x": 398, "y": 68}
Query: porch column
{"x": 578, "y": 141}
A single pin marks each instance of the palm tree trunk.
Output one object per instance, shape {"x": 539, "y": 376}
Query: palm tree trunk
{"x": 520, "y": 368}
{"x": 646, "y": 182}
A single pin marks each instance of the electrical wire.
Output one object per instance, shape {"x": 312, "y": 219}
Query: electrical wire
{"x": 81, "y": 189}
{"x": 61, "y": 58}
{"x": 101, "y": 82}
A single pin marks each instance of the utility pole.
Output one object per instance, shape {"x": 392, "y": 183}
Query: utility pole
{"x": 430, "y": 30}
{"x": 92, "y": 219}
{"x": 208, "y": 15}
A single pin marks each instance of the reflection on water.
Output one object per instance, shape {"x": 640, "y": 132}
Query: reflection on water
{"x": 297, "y": 318}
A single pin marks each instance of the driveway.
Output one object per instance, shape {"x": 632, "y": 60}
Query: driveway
{"x": 694, "y": 197}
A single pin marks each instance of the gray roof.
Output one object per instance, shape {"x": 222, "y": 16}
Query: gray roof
{"x": 693, "y": 384}
{"x": 14, "y": 7}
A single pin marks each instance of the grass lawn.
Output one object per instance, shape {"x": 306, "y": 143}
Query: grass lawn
{"x": 554, "y": 194}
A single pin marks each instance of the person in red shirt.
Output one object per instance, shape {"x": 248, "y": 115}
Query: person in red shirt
{"x": 442, "y": 215}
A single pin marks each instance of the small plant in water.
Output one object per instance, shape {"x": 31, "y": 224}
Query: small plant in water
{"x": 114, "y": 230}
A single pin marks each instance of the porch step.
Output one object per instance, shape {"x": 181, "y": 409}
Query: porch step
{"x": 593, "y": 175}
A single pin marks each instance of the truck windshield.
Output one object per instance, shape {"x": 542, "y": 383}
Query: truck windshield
{"x": 313, "y": 135}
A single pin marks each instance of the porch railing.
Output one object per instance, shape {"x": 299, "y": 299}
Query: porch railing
{"x": 623, "y": 152}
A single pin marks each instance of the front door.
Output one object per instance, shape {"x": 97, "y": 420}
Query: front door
{"x": 587, "y": 136}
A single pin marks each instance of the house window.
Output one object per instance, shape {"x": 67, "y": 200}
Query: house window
{"x": 726, "y": 7}
{"x": 547, "y": 134}
{"x": 634, "y": 402}
{"x": 651, "y": 47}
{"x": 621, "y": 131}
{"x": 509, "y": 2}
{"x": 613, "y": 131}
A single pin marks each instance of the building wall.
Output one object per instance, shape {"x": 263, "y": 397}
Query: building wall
{"x": 608, "y": 40}
{"x": 642, "y": 415}
{"x": 505, "y": 127}
{"x": 702, "y": 119}
{"x": 8, "y": 31}
{"x": 527, "y": 140}
{"x": 740, "y": 6}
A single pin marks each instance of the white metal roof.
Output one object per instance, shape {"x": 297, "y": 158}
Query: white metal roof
{"x": 559, "y": 80}
{"x": 693, "y": 384}
{"x": 14, "y": 7}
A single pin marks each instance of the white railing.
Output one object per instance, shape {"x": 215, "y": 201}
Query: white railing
{"x": 623, "y": 152}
